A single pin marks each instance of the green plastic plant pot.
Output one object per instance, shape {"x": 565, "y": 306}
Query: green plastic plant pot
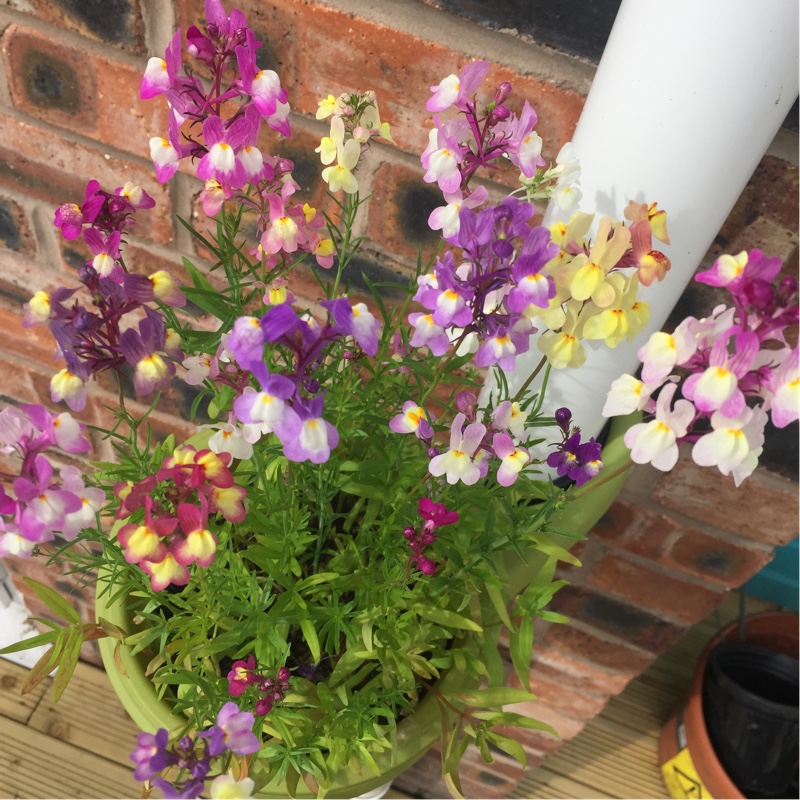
{"x": 415, "y": 734}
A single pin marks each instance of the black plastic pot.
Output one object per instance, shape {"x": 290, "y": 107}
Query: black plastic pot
{"x": 750, "y": 704}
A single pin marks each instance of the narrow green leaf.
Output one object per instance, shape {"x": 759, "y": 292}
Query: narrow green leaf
{"x": 520, "y": 646}
{"x": 34, "y": 641}
{"x": 312, "y": 640}
{"x": 69, "y": 660}
{"x": 490, "y": 698}
{"x": 512, "y": 718}
{"x": 508, "y": 745}
{"x": 44, "y": 666}
{"x": 443, "y": 617}
{"x": 496, "y": 596}
{"x": 53, "y": 600}
{"x": 198, "y": 279}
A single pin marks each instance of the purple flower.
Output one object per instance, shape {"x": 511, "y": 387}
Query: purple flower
{"x": 578, "y": 461}
{"x": 142, "y": 351}
{"x": 316, "y": 437}
{"x": 151, "y": 755}
{"x": 188, "y": 789}
{"x": 233, "y": 731}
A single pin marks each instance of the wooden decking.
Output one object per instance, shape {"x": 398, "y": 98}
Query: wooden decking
{"x": 79, "y": 748}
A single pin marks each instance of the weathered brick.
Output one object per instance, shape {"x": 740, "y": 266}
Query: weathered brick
{"x": 764, "y": 197}
{"x": 115, "y": 22}
{"x": 578, "y": 642}
{"x": 50, "y": 80}
{"x": 766, "y": 505}
{"x": 550, "y": 691}
{"x": 399, "y": 209}
{"x": 648, "y": 589}
{"x": 716, "y": 559}
{"x": 15, "y": 228}
{"x": 123, "y": 120}
{"x": 611, "y": 616}
{"x": 629, "y": 525}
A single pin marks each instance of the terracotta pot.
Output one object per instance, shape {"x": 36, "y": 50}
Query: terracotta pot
{"x": 689, "y": 765}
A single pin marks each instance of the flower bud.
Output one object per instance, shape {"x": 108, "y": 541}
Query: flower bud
{"x": 563, "y": 417}
{"x": 283, "y": 674}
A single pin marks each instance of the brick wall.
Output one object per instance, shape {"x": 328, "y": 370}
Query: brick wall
{"x": 671, "y": 545}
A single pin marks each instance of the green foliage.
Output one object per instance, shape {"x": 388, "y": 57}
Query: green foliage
{"x": 318, "y": 576}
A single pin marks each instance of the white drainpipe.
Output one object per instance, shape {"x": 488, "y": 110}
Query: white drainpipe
{"x": 687, "y": 98}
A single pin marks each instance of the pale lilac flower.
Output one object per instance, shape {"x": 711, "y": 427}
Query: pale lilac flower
{"x": 230, "y": 439}
{"x": 446, "y": 218}
{"x": 268, "y": 407}
{"x": 198, "y": 368}
{"x": 509, "y": 416}
{"x": 512, "y": 458}
{"x": 316, "y": 436}
{"x": 457, "y": 90}
{"x": 784, "y": 384}
{"x": 457, "y": 463}
{"x": 151, "y": 755}
{"x": 663, "y": 351}
{"x": 734, "y": 444}
{"x": 159, "y": 75}
{"x": 221, "y": 162}
{"x": 717, "y": 387}
{"x": 233, "y": 732}
{"x": 628, "y": 394}
{"x": 92, "y": 500}
{"x": 655, "y": 442}
{"x": 427, "y": 332}
{"x": 412, "y": 420}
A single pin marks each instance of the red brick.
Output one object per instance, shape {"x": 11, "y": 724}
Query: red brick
{"x": 578, "y": 642}
{"x": 648, "y": 589}
{"x": 34, "y": 344}
{"x": 717, "y": 559}
{"x": 619, "y": 619}
{"x": 16, "y": 233}
{"x": 123, "y": 120}
{"x": 50, "y": 80}
{"x": 636, "y": 529}
{"x": 764, "y": 508}
{"x": 40, "y": 163}
{"x": 398, "y": 212}
{"x": 119, "y": 25}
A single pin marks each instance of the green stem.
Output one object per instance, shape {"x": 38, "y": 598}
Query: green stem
{"x": 528, "y": 382}
{"x": 538, "y": 407}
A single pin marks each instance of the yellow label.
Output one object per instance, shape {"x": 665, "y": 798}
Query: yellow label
{"x": 681, "y": 777}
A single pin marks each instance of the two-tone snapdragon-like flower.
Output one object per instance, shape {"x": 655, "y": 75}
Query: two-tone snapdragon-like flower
{"x": 42, "y": 505}
{"x": 459, "y": 463}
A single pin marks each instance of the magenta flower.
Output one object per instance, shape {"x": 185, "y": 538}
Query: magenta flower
{"x": 159, "y": 76}
{"x": 71, "y": 218}
{"x": 241, "y": 675}
{"x": 221, "y": 162}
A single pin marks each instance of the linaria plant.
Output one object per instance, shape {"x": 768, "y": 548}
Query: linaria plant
{"x": 299, "y": 574}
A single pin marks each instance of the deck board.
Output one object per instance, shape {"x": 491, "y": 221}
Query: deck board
{"x": 14, "y": 705}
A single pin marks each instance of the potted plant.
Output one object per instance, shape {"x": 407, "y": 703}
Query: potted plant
{"x": 736, "y": 735}
{"x": 327, "y": 565}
